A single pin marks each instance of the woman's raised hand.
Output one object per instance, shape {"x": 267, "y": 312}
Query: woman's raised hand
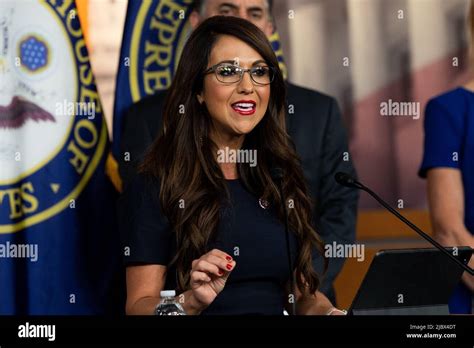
{"x": 209, "y": 274}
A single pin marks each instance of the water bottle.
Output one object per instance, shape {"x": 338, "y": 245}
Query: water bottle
{"x": 168, "y": 304}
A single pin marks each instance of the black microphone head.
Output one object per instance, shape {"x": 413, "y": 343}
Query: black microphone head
{"x": 276, "y": 173}
{"x": 345, "y": 179}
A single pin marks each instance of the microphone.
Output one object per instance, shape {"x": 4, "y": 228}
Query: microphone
{"x": 277, "y": 175}
{"x": 347, "y": 180}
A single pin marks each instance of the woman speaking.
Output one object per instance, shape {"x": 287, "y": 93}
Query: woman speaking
{"x": 205, "y": 217}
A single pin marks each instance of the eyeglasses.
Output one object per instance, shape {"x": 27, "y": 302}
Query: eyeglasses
{"x": 230, "y": 73}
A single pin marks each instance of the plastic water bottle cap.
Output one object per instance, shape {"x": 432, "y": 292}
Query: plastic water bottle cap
{"x": 168, "y": 293}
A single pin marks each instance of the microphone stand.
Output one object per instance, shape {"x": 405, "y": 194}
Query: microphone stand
{"x": 345, "y": 179}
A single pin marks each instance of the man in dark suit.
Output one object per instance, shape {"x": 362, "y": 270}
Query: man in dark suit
{"x": 313, "y": 122}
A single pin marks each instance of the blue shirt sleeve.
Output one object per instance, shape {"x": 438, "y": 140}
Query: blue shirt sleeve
{"x": 443, "y": 136}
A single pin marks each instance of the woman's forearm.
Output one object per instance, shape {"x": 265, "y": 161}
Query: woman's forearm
{"x": 144, "y": 306}
{"x": 453, "y": 235}
{"x": 459, "y": 236}
{"x": 446, "y": 200}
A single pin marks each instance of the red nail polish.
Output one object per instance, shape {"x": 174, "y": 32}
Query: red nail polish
{"x": 229, "y": 266}
{"x": 221, "y": 272}
{"x": 228, "y": 258}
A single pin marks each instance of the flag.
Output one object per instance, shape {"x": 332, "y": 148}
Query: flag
{"x": 58, "y": 242}
{"x": 154, "y": 35}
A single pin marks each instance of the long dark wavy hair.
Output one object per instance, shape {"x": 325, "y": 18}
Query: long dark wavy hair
{"x": 184, "y": 159}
